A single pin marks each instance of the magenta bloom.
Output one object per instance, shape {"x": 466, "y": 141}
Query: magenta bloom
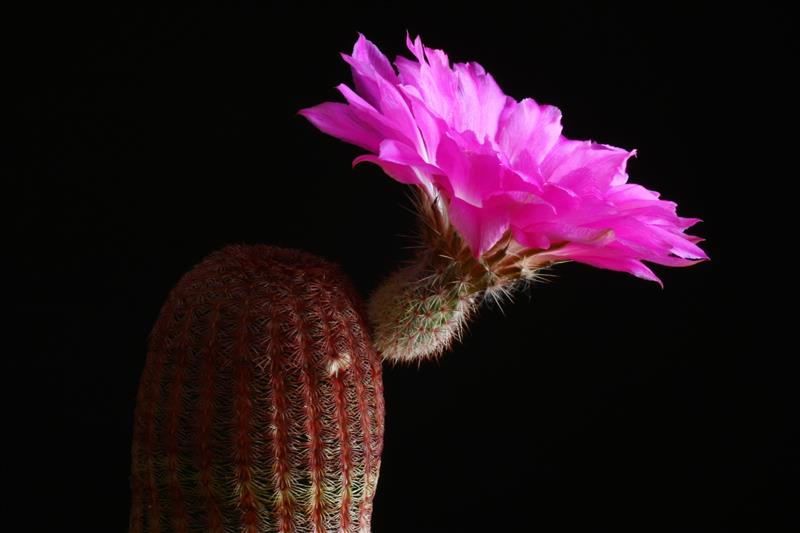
{"x": 502, "y": 166}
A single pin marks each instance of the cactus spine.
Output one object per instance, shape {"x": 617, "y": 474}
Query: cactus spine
{"x": 260, "y": 407}
{"x": 419, "y": 310}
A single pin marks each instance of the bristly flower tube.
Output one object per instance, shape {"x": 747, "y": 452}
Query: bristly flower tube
{"x": 502, "y": 193}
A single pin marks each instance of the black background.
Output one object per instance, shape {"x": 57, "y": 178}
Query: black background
{"x": 138, "y": 140}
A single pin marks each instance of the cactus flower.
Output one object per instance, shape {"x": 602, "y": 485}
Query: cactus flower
{"x": 502, "y": 192}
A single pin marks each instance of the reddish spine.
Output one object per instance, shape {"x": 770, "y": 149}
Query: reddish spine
{"x": 260, "y": 406}
{"x": 280, "y": 433}
{"x": 205, "y": 420}
{"x": 243, "y": 406}
{"x": 316, "y": 457}
{"x": 173, "y": 414}
{"x": 351, "y": 346}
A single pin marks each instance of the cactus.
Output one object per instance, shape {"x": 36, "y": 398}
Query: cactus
{"x": 260, "y": 407}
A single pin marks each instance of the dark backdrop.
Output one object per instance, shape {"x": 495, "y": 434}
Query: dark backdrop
{"x": 139, "y": 140}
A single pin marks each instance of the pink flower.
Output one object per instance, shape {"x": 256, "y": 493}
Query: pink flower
{"x": 500, "y": 165}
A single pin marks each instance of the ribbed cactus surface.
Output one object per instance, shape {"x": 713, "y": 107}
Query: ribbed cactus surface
{"x": 261, "y": 405}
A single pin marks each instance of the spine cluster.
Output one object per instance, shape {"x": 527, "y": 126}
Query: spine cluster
{"x": 418, "y": 311}
{"x": 260, "y": 407}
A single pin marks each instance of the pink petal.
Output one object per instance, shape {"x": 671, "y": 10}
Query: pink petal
{"x": 465, "y": 96}
{"x": 480, "y": 101}
{"x": 472, "y": 175}
{"x": 431, "y": 127}
{"x": 679, "y": 244}
{"x": 339, "y": 121}
{"x": 433, "y": 78}
{"x": 481, "y": 228}
{"x": 401, "y": 162}
{"x": 400, "y": 172}
{"x": 368, "y": 64}
{"x": 557, "y": 232}
{"x": 528, "y": 131}
{"x": 530, "y": 240}
{"x": 394, "y": 120}
{"x": 367, "y": 114}
{"x": 622, "y": 264}
{"x": 584, "y": 166}
{"x": 603, "y": 257}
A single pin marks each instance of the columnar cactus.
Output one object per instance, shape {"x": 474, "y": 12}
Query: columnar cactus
{"x": 260, "y": 407}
